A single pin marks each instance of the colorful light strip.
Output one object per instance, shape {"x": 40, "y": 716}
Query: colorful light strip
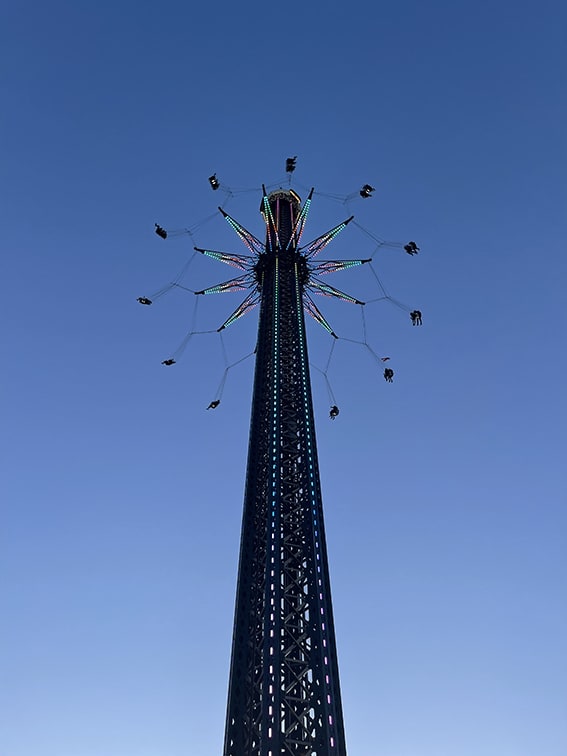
{"x": 300, "y": 223}
{"x": 314, "y": 247}
{"x": 266, "y": 218}
{"x": 313, "y": 310}
{"x": 268, "y": 215}
{"x": 333, "y": 266}
{"x": 248, "y": 304}
{"x": 242, "y": 262}
{"x": 253, "y": 244}
{"x": 236, "y": 284}
{"x": 330, "y": 291}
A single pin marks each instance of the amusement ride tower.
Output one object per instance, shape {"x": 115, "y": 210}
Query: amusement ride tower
{"x": 284, "y": 693}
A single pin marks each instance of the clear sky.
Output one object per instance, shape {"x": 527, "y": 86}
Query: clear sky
{"x": 444, "y": 492}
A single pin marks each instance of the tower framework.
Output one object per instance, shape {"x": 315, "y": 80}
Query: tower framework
{"x": 284, "y": 694}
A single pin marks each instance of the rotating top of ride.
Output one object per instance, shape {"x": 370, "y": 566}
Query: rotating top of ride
{"x": 286, "y": 195}
{"x": 283, "y": 253}
{"x": 281, "y": 210}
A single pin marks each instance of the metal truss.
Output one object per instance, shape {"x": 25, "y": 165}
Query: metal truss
{"x": 284, "y": 694}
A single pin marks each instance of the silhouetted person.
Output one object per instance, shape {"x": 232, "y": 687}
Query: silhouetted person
{"x": 411, "y": 248}
{"x": 214, "y": 405}
{"x": 214, "y": 182}
{"x": 290, "y": 164}
{"x": 389, "y": 375}
{"x": 366, "y": 191}
{"x": 144, "y": 300}
{"x": 334, "y": 412}
{"x": 168, "y": 362}
{"x": 160, "y": 231}
{"x": 418, "y": 317}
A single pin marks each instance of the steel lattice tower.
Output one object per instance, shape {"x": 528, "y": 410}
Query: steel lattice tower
{"x": 284, "y": 695}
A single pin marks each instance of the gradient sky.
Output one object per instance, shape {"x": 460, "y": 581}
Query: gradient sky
{"x": 444, "y": 492}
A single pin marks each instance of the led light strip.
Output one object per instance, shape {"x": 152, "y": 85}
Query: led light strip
{"x": 237, "y": 284}
{"x": 300, "y": 223}
{"x": 237, "y": 261}
{"x": 317, "y": 245}
{"x": 268, "y": 215}
{"x": 330, "y": 291}
{"x": 249, "y": 303}
{"x": 253, "y": 244}
{"x": 313, "y": 310}
{"x": 333, "y": 266}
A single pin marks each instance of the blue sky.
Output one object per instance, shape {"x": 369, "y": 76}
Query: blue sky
{"x": 444, "y": 492}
